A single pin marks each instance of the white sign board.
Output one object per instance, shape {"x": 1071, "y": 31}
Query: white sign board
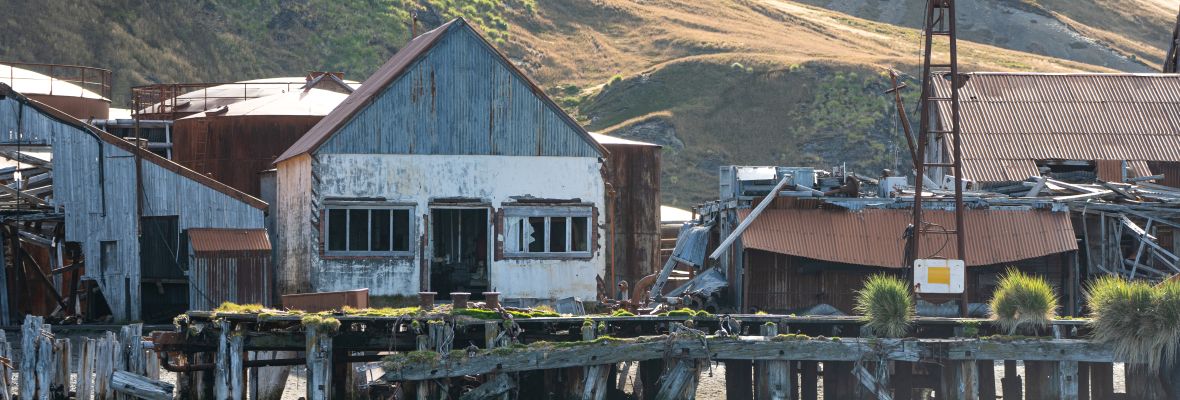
{"x": 938, "y": 276}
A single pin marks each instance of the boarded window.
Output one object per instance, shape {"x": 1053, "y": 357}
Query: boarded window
{"x": 539, "y": 231}
{"x": 368, "y": 230}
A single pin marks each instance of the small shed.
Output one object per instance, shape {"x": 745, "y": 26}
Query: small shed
{"x": 229, "y": 265}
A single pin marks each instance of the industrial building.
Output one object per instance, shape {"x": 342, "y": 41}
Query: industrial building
{"x": 417, "y": 182}
{"x": 79, "y": 199}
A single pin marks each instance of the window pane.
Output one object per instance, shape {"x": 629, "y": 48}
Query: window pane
{"x": 536, "y": 235}
{"x": 379, "y": 230}
{"x": 358, "y": 230}
{"x": 401, "y": 230}
{"x": 337, "y": 229}
{"x": 580, "y": 234}
{"x": 557, "y": 234}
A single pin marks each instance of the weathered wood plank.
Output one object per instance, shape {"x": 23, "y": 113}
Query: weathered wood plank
{"x": 140, "y": 386}
{"x": 46, "y": 364}
{"x": 751, "y": 348}
{"x": 1027, "y": 350}
{"x": 960, "y": 381}
{"x": 85, "y": 378}
{"x": 30, "y": 332}
{"x": 60, "y": 386}
{"x": 738, "y": 380}
{"x": 319, "y": 364}
{"x": 491, "y": 389}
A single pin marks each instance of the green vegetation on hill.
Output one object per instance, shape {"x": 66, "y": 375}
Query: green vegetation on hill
{"x": 717, "y": 82}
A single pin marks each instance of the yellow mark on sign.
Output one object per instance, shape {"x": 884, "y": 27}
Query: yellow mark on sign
{"x": 938, "y": 275}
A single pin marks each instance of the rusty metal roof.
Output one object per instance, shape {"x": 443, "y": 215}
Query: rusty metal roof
{"x": 310, "y": 102}
{"x": 214, "y": 240}
{"x": 1009, "y": 120}
{"x": 874, "y": 236}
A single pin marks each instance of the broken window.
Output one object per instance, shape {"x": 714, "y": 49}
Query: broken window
{"x": 547, "y": 231}
{"x": 367, "y": 230}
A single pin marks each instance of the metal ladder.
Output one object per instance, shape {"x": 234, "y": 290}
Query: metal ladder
{"x": 940, "y": 21}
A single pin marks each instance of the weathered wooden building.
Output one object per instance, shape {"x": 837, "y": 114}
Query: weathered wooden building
{"x": 447, "y": 170}
{"x": 123, "y": 206}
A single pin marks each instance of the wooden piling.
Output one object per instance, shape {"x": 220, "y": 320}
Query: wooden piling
{"x": 228, "y": 379}
{"x": 838, "y": 383}
{"x": 30, "y": 332}
{"x": 773, "y": 378}
{"x": 1067, "y": 380}
{"x": 1011, "y": 383}
{"x": 674, "y": 383}
{"x": 960, "y": 381}
{"x": 46, "y": 365}
{"x": 272, "y": 380}
{"x": 987, "y": 379}
{"x": 594, "y": 378}
{"x": 1101, "y": 381}
{"x": 319, "y": 363}
{"x": 739, "y": 384}
{"x": 60, "y": 386}
{"x": 808, "y": 380}
{"x": 649, "y": 376}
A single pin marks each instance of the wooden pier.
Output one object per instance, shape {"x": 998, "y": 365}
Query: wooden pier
{"x": 766, "y": 357}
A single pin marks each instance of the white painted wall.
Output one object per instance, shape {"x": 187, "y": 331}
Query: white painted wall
{"x": 418, "y": 179}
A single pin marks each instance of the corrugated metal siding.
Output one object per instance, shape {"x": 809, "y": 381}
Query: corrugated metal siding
{"x": 460, "y": 98}
{"x": 1009, "y": 120}
{"x": 633, "y": 171}
{"x": 874, "y": 237}
{"x": 238, "y": 277}
{"x": 784, "y": 283}
{"x": 236, "y": 149}
{"x": 89, "y": 221}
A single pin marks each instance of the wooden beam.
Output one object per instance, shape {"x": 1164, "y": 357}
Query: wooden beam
{"x": 140, "y": 387}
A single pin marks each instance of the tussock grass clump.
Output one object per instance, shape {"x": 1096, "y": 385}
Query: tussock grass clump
{"x": 886, "y": 305}
{"x": 1023, "y": 301}
{"x": 1141, "y": 321}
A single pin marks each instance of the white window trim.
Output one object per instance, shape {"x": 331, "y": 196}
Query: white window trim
{"x": 549, "y": 213}
{"x": 410, "y": 230}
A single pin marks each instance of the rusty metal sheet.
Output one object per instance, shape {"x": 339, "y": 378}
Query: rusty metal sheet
{"x": 214, "y": 240}
{"x": 1008, "y": 120}
{"x": 873, "y": 237}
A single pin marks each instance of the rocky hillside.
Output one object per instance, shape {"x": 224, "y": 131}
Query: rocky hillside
{"x": 716, "y": 82}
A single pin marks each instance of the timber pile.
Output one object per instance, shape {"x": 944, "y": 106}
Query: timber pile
{"x": 111, "y": 367}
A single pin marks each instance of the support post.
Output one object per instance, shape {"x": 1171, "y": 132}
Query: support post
{"x": 1067, "y": 380}
{"x": 594, "y": 382}
{"x": 987, "y": 379}
{"x": 1012, "y": 385}
{"x": 1102, "y": 381}
{"x": 46, "y": 364}
{"x": 30, "y": 331}
{"x": 228, "y": 370}
{"x": 773, "y": 377}
{"x": 738, "y": 380}
{"x": 319, "y": 363}
{"x": 60, "y": 386}
{"x": 960, "y": 380}
{"x": 649, "y": 376}
{"x": 809, "y": 380}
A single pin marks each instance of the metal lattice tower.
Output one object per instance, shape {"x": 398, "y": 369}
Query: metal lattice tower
{"x": 939, "y": 22}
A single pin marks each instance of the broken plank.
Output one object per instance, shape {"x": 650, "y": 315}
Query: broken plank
{"x": 140, "y": 386}
{"x": 499, "y": 384}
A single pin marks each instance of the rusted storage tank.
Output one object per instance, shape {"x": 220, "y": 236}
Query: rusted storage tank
{"x": 234, "y": 144}
{"x": 171, "y": 101}
{"x": 82, "y": 92}
{"x": 633, "y": 197}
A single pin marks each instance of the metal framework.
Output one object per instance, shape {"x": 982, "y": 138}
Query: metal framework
{"x": 940, "y": 21}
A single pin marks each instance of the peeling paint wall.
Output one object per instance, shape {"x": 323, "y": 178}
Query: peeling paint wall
{"x": 419, "y": 179}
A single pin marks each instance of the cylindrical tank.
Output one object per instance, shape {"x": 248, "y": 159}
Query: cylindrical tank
{"x": 81, "y": 92}
{"x": 633, "y": 173}
{"x": 234, "y": 144}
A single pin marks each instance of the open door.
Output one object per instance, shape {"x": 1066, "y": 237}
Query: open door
{"x": 459, "y": 259}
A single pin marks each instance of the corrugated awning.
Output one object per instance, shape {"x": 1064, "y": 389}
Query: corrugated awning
{"x": 214, "y": 240}
{"x": 874, "y": 237}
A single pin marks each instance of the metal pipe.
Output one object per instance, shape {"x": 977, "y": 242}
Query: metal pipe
{"x": 749, "y": 218}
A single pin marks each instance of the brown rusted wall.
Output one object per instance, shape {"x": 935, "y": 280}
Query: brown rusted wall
{"x": 634, "y": 173}
{"x": 782, "y": 283}
{"x": 235, "y": 149}
{"x": 77, "y": 107}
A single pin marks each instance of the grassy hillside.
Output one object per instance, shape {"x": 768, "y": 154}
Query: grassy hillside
{"x": 717, "y": 82}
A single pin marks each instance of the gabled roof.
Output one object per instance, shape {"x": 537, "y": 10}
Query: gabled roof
{"x": 143, "y": 153}
{"x": 395, "y": 68}
{"x": 1009, "y": 120}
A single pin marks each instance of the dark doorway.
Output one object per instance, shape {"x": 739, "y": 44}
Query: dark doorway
{"x": 459, "y": 263}
{"x": 163, "y": 285}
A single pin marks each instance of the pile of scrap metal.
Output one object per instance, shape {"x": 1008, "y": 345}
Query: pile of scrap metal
{"x": 700, "y": 291}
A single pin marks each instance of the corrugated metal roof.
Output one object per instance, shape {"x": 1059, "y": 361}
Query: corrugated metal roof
{"x": 1008, "y": 120}
{"x": 874, "y": 237}
{"x": 211, "y": 240}
{"x": 425, "y": 83}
